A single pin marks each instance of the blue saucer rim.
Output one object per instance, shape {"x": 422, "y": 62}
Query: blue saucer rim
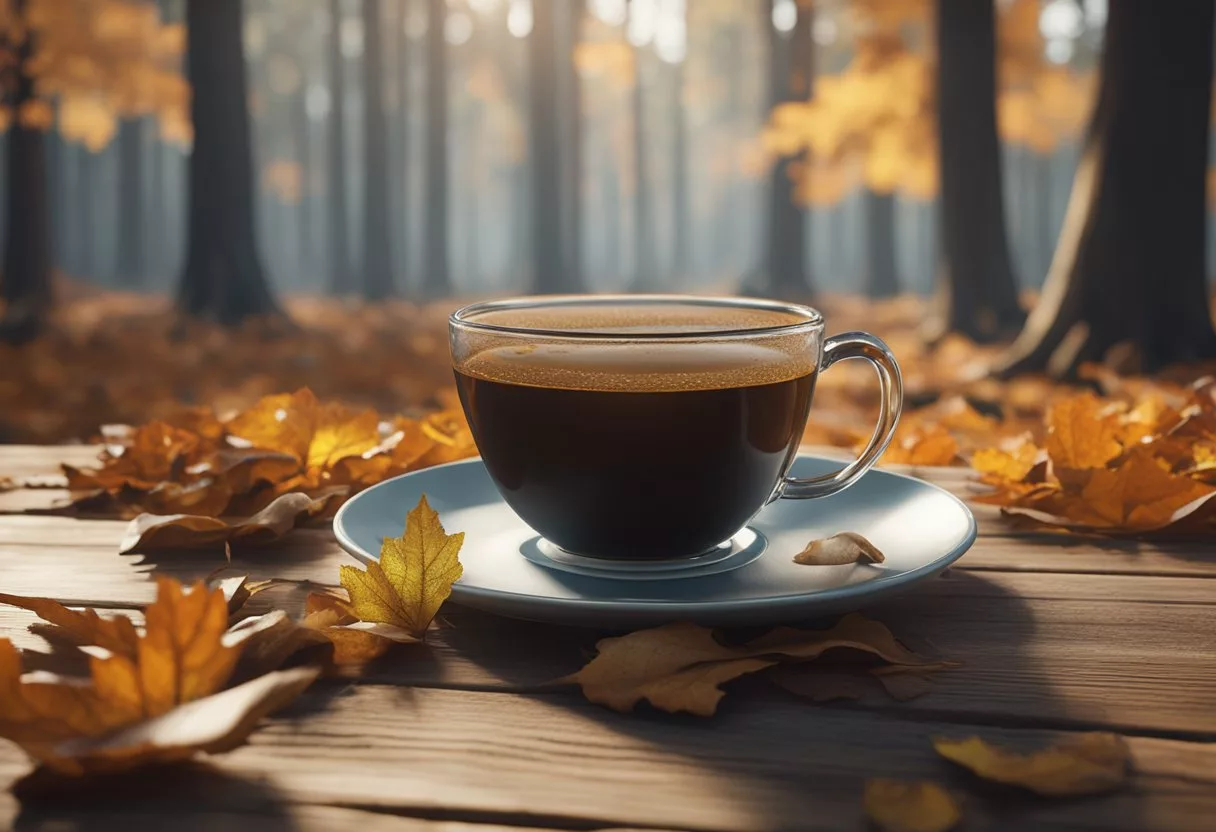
{"x": 692, "y": 608}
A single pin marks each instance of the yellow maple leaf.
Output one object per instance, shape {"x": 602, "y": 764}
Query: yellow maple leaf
{"x": 318, "y": 435}
{"x": 1084, "y": 764}
{"x": 413, "y": 577}
{"x": 920, "y": 806}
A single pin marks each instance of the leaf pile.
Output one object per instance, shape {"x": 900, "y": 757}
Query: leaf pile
{"x": 153, "y": 695}
{"x": 679, "y": 667}
{"x": 121, "y": 358}
{"x": 196, "y": 463}
{"x": 1109, "y": 465}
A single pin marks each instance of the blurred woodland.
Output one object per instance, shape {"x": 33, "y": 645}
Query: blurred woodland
{"x": 1003, "y": 189}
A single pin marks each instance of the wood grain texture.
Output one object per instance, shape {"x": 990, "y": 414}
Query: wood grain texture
{"x": 1055, "y": 634}
{"x": 558, "y": 761}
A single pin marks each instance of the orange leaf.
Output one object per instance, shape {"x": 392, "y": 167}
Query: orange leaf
{"x": 1080, "y": 434}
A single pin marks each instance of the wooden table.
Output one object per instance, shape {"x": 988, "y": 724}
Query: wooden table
{"x": 1057, "y": 635}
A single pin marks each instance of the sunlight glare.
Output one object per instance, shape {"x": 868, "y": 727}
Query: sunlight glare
{"x": 671, "y": 33}
{"x": 643, "y": 17}
{"x": 316, "y": 101}
{"x": 1061, "y": 19}
{"x": 458, "y": 28}
{"x": 519, "y": 18}
{"x": 785, "y": 15}
{"x": 351, "y": 37}
{"x": 825, "y": 31}
{"x": 610, "y": 12}
{"x": 1059, "y": 50}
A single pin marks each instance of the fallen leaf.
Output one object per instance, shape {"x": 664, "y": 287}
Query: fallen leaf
{"x": 903, "y": 687}
{"x": 268, "y": 642}
{"x": 239, "y": 589}
{"x": 922, "y": 445}
{"x": 678, "y": 667}
{"x": 1080, "y": 434}
{"x": 1011, "y": 462}
{"x": 816, "y": 685}
{"x": 839, "y": 549}
{"x": 910, "y": 806}
{"x": 212, "y": 725}
{"x": 150, "y": 532}
{"x": 183, "y": 655}
{"x": 412, "y": 578}
{"x": 116, "y": 634}
{"x": 1080, "y": 764}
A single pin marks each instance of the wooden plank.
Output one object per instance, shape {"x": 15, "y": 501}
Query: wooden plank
{"x": 268, "y": 815}
{"x": 82, "y": 555}
{"x": 36, "y": 460}
{"x": 1050, "y": 662}
{"x": 558, "y": 761}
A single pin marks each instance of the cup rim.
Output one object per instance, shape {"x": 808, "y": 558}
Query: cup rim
{"x": 465, "y": 317}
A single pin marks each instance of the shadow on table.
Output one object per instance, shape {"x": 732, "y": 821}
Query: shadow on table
{"x": 769, "y": 759}
{"x": 186, "y": 796}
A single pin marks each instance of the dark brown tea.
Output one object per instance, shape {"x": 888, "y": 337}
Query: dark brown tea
{"x": 635, "y": 450}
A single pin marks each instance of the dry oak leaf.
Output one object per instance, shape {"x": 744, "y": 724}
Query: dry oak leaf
{"x": 154, "y": 532}
{"x": 678, "y": 667}
{"x": 1081, "y": 764}
{"x": 412, "y": 578}
{"x": 154, "y": 705}
{"x": 839, "y": 549}
{"x": 910, "y": 806}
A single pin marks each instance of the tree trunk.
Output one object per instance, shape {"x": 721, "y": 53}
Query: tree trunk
{"x": 25, "y": 285}
{"x": 341, "y": 280}
{"x": 881, "y": 276}
{"x": 681, "y": 256}
{"x": 304, "y": 211}
{"x": 978, "y": 296}
{"x": 377, "y": 244}
{"x": 436, "y": 281}
{"x": 544, "y": 144}
{"x": 403, "y": 144}
{"x": 223, "y": 279}
{"x": 784, "y": 272}
{"x": 573, "y": 232}
{"x": 645, "y": 278}
{"x": 131, "y": 266}
{"x": 1127, "y": 284}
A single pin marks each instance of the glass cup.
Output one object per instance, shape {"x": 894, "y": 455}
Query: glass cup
{"x": 645, "y": 427}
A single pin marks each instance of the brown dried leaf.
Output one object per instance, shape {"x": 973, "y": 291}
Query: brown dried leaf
{"x": 910, "y": 806}
{"x": 817, "y": 685}
{"x": 1080, "y": 764}
{"x": 150, "y": 532}
{"x": 839, "y": 549}
{"x": 678, "y": 667}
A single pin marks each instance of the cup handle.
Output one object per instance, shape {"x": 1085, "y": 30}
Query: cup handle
{"x": 872, "y": 349}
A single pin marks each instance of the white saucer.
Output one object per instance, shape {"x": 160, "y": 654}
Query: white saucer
{"x": 507, "y": 570}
